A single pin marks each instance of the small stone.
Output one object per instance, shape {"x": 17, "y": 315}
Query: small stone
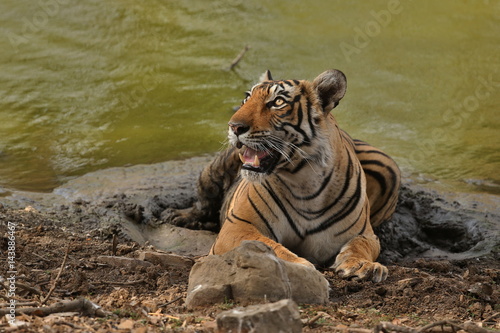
{"x": 127, "y": 324}
{"x": 381, "y": 291}
{"x": 30, "y": 209}
{"x": 209, "y": 326}
{"x": 482, "y": 290}
{"x": 281, "y": 316}
{"x": 203, "y": 295}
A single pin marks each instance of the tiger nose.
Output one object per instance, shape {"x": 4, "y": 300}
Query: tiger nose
{"x": 238, "y": 128}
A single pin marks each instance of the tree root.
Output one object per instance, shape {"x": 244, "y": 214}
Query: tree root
{"x": 82, "y": 305}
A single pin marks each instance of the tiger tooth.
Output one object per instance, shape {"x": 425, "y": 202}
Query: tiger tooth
{"x": 256, "y": 162}
{"x": 241, "y": 158}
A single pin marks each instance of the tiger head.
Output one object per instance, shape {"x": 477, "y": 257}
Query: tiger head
{"x": 281, "y": 123}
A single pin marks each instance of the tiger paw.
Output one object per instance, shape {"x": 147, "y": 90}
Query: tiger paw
{"x": 187, "y": 218}
{"x": 361, "y": 269}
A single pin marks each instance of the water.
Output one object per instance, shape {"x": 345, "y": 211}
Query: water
{"x": 86, "y": 85}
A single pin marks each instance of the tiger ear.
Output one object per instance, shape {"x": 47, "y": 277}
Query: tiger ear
{"x": 266, "y": 76}
{"x": 330, "y": 87}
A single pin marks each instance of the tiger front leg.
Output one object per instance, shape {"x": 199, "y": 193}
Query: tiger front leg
{"x": 357, "y": 259}
{"x": 213, "y": 184}
{"x": 233, "y": 233}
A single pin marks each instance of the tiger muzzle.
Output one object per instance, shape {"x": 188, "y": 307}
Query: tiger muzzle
{"x": 262, "y": 161}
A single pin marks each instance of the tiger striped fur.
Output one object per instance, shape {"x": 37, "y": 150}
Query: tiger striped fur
{"x": 305, "y": 187}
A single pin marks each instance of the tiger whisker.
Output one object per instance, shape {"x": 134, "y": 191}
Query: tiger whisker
{"x": 279, "y": 149}
{"x": 278, "y": 141}
{"x": 293, "y": 147}
{"x": 224, "y": 144}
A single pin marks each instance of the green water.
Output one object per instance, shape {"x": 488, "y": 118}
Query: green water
{"x": 86, "y": 85}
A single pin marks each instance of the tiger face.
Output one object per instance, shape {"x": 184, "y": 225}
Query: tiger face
{"x": 282, "y": 122}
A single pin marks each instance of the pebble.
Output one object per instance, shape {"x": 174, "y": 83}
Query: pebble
{"x": 281, "y": 316}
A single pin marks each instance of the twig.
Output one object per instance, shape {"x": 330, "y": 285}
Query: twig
{"x": 57, "y": 278}
{"x": 441, "y": 323}
{"x": 79, "y": 305}
{"x": 238, "y": 58}
{"x": 39, "y": 256}
{"x": 490, "y": 318}
{"x": 62, "y": 322}
{"x": 168, "y": 303}
{"x": 351, "y": 330}
{"x": 118, "y": 283}
{"x": 314, "y": 319}
{"x": 115, "y": 244}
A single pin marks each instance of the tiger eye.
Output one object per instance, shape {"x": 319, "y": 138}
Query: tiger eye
{"x": 279, "y": 101}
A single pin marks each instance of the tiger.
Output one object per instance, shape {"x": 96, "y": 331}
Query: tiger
{"x": 295, "y": 181}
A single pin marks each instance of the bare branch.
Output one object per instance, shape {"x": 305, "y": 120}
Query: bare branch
{"x": 80, "y": 305}
{"x": 238, "y": 58}
{"x": 57, "y": 278}
{"x": 118, "y": 283}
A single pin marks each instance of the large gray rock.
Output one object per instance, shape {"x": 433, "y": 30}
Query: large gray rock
{"x": 282, "y": 316}
{"x": 252, "y": 272}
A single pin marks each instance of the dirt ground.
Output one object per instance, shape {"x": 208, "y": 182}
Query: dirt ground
{"x": 151, "y": 299}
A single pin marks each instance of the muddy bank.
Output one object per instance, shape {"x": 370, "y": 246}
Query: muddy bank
{"x": 149, "y": 296}
{"x": 131, "y": 200}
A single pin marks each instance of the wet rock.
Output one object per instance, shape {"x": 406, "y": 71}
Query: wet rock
{"x": 481, "y": 290}
{"x": 282, "y": 316}
{"x": 252, "y": 272}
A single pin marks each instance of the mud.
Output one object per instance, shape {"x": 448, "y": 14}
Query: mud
{"x": 442, "y": 250}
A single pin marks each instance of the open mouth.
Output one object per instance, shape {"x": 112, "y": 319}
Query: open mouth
{"x": 258, "y": 161}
